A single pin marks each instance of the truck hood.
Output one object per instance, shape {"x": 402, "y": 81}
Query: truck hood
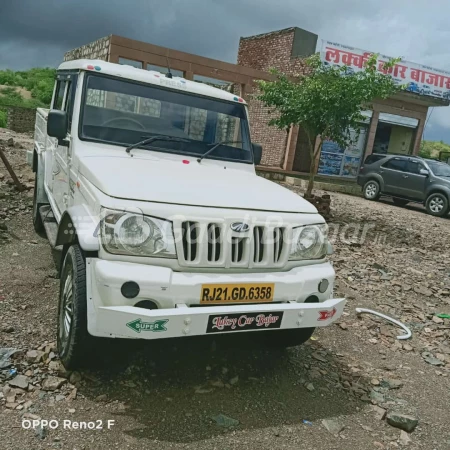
{"x": 184, "y": 181}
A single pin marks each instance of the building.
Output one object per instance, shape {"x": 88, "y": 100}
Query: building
{"x": 394, "y": 125}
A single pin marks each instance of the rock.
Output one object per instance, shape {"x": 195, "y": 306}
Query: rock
{"x": 437, "y": 320}
{"x": 234, "y": 380}
{"x": 201, "y": 390}
{"x": 71, "y": 410}
{"x": 402, "y": 421}
{"x": 319, "y": 357}
{"x": 310, "y": 387}
{"x": 343, "y": 326}
{"x": 72, "y": 395}
{"x": 377, "y": 397}
{"x": 392, "y": 384}
{"x": 41, "y": 432}
{"x": 404, "y": 438}
{"x": 375, "y": 382}
{"x": 407, "y": 347}
{"x": 101, "y": 398}
{"x": 53, "y": 383}
{"x": 10, "y": 142}
{"x": 218, "y": 384}
{"x": 8, "y": 329}
{"x": 19, "y": 381}
{"x": 423, "y": 291}
{"x": 35, "y": 356}
{"x": 333, "y": 426}
{"x": 380, "y": 413}
{"x": 225, "y": 421}
{"x": 60, "y": 398}
{"x": 75, "y": 377}
{"x": 430, "y": 359}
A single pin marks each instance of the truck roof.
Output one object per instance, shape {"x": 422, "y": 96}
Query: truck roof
{"x": 148, "y": 76}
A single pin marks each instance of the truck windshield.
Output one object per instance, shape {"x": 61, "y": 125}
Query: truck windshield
{"x": 124, "y": 113}
{"x": 439, "y": 169}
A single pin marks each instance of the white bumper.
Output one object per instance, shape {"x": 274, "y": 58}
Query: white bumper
{"x": 177, "y": 295}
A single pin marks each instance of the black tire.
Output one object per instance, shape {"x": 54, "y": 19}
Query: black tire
{"x": 400, "y": 202}
{"x": 37, "y": 220}
{"x": 371, "y": 190}
{"x": 288, "y": 338}
{"x": 76, "y": 347}
{"x": 437, "y": 204}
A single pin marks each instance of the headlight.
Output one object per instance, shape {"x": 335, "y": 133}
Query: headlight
{"x": 309, "y": 242}
{"x": 125, "y": 233}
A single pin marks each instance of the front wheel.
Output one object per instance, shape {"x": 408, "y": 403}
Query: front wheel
{"x": 75, "y": 345}
{"x": 437, "y": 204}
{"x": 372, "y": 190}
{"x": 288, "y": 338}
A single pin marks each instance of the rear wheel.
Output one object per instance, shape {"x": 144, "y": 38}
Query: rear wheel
{"x": 437, "y": 204}
{"x": 372, "y": 190}
{"x": 400, "y": 202}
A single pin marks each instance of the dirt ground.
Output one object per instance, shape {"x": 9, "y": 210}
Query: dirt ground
{"x": 217, "y": 393}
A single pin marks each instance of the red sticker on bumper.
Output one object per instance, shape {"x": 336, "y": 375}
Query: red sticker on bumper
{"x": 325, "y": 315}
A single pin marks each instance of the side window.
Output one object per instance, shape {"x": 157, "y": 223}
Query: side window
{"x": 396, "y": 164}
{"x": 414, "y": 166}
{"x": 59, "y": 95}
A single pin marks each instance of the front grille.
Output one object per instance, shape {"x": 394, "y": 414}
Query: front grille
{"x": 216, "y": 245}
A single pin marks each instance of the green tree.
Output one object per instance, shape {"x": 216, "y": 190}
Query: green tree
{"x": 327, "y": 102}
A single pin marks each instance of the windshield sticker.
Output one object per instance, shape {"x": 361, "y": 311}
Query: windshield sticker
{"x": 169, "y": 82}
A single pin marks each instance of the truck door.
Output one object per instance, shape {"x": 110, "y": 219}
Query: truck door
{"x": 62, "y": 154}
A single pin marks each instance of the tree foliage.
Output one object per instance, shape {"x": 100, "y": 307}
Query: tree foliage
{"x": 327, "y": 102}
{"x": 431, "y": 149}
{"x": 39, "y": 82}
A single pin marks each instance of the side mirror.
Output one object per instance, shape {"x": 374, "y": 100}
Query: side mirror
{"x": 57, "y": 124}
{"x": 257, "y": 153}
{"x": 424, "y": 172}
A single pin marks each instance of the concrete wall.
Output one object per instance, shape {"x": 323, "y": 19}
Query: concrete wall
{"x": 20, "y": 120}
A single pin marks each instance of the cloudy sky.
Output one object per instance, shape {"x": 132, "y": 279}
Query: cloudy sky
{"x": 36, "y": 33}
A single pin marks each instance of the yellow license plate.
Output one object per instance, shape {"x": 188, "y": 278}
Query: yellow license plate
{"x": 219, "y": 294}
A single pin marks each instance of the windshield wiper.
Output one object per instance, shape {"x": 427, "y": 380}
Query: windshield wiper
{"x": 214, "y": 146}
{"x": 155, "y": 138}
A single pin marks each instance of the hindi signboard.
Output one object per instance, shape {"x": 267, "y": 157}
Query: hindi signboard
{"x": 418, "y": 79}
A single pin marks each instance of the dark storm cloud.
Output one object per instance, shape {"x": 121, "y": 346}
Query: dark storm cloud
{"x": 38, "y": 32}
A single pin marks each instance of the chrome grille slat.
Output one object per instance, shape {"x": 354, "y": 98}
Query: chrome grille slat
{"x": 212, "y": 244}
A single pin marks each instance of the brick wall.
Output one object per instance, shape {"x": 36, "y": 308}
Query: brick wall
{"x": 264, "y": 52}
{"x": 21, "y": 120}
{"x": 95, "y": 50}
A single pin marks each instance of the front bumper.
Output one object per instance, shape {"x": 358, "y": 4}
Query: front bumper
{"x": 178, "y": 296}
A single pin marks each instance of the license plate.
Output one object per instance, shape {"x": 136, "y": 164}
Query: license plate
{"x": 222, "y": 323}
{"x": 219, "y": 294}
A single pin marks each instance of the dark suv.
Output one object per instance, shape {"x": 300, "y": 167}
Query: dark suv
{"x": 407, "y": 179}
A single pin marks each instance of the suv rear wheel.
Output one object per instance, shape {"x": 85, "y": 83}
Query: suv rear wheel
{"x": 372, "y": 190}
{"x": 437, "y": 204}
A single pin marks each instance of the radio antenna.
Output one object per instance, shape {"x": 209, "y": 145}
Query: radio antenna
{"x": 169, "y": 73}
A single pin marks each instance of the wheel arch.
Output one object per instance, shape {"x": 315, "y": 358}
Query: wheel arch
{"x": 77, "y": 225}
{"x": 375, "y": 177}
{"x": 437, "y": 190}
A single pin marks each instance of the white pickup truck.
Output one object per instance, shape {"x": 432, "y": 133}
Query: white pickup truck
{"x": 146, "y": 183}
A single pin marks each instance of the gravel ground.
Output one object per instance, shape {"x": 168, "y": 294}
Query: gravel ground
{"x": 331, "y": 393}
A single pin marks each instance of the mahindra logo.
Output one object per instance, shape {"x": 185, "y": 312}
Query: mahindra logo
{"x": 240, "y": 227}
